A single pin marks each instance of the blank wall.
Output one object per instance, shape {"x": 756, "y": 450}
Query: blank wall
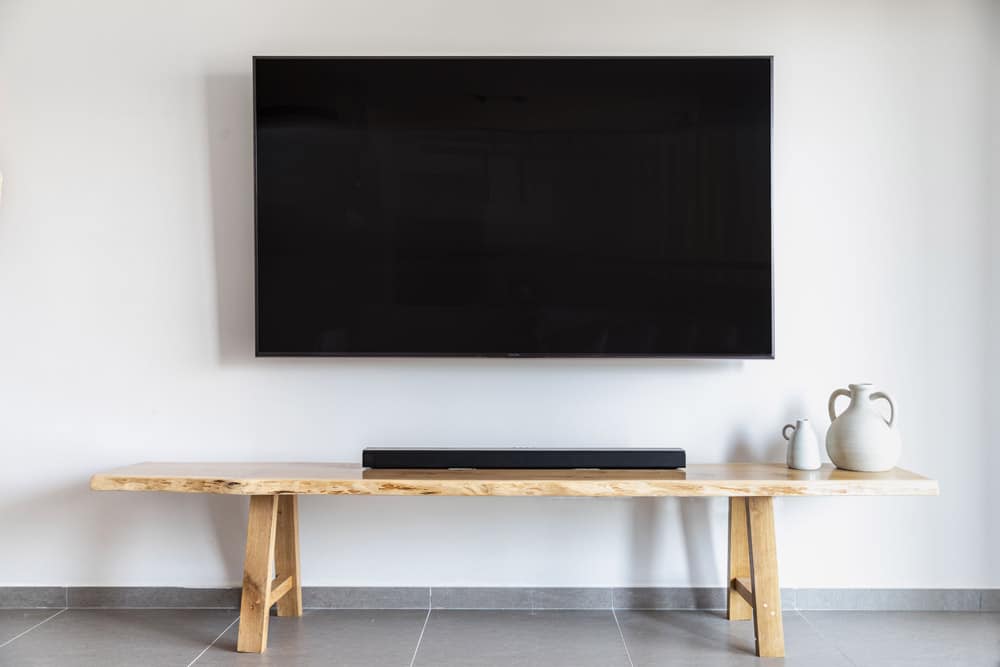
{"x": 126, "y": 307}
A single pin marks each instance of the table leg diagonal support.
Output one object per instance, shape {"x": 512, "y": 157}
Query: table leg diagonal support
{"x": 286, "y": 556}
{"x": 272, "y": 538}
{"x": 765, "y": 590}
{"x": 738, "y": 607}
{"x": 753, "y": 590}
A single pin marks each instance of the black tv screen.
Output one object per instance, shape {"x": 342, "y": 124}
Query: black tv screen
{"x": 513, "y": 206}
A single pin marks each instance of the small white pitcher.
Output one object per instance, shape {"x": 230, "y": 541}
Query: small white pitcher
{"x": 803, "y": 447}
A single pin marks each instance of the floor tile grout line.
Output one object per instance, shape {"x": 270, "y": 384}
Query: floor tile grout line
{"x": 42, "y": 622}
{"x": 622, "y": 635}
{"x": 420, "y": 638}
{"x": 185, "y": 608}
{"x": 824, "y": 638}
{"x": 205, "y": 650}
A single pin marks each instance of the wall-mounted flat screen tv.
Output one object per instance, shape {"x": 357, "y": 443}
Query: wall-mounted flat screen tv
{"x": 563, "y": 206}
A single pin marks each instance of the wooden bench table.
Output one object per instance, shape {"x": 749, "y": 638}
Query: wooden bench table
{"x": 273, "y": 531}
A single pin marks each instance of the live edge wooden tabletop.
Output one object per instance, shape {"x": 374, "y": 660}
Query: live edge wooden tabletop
{"x": 723, "y": 479}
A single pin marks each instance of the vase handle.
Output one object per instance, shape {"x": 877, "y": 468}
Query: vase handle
{"x": 784, "y": 431}
{"x": 892, "y": 407}
{"x": 831, "y": 406}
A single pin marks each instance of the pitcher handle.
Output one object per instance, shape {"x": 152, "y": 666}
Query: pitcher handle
{"x": 784, "y": 431}
{"x": 892, "y": 407}
{"x": 831, "y": 406}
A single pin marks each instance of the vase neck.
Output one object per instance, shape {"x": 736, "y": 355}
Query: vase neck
{"x": 860, "y": 391}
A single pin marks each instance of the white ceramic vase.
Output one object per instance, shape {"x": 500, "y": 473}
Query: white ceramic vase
{"x": 803, "y": 446}
{"x": 860, "y": 438}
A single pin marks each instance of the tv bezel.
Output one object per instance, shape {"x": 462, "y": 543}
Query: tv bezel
{"x": 513, "y": 355}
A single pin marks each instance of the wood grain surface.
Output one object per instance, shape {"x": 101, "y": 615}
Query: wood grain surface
{"x": 764, "y": 590}
{"x": 723, "y": 479}
{"x": 255, "y": 605}
{"x": 738, "y": 606}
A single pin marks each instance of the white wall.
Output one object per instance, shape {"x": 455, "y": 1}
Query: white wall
{"x": 125, "y": 303}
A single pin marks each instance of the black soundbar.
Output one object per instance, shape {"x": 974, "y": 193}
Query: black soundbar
{"x": 523, "y": 458}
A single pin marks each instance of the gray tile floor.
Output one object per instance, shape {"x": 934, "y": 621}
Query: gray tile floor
{"x": 184, "y": 637}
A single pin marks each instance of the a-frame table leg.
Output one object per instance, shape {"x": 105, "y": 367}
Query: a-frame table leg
{"x": 765, "y": 592}
{"x": 737, "y": 608}
{"x": 286, "y": 555}
{"x": 256, "y": 604}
